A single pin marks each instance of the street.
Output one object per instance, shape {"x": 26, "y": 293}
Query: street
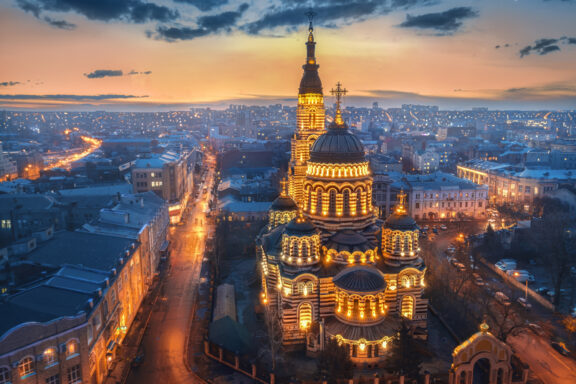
{"x": 165, "y": 341}
{"x": 545, "y": 363}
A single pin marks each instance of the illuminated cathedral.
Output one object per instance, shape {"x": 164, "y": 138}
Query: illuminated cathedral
{"x": 330, "y": 269}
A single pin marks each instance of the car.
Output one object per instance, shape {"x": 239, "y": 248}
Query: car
{"x": 450, "y": 250}
{"x": 425, "y": 228}
{"x": 506, "y": 264}
{"x": 459, "y": 266}
{"x": 560, "y": 347}
{"x": 524, "y": 303}
{"x": 479, "y": 281}
{"x": 435, "y": 230}
{"x": 443, "y": 227}
{"x": 502, "y": 298}
{"x": 535, "y": 328}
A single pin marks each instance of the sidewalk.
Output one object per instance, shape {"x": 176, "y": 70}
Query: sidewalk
{"x": 129, "y": 349}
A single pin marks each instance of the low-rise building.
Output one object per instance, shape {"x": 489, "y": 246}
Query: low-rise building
{"x": 66, "y": 327}
{"x": 435, "y": 196}
{"x": 516, "y": 185}
{"x": 169, "y": 176}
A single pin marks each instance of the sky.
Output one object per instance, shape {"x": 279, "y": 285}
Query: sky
{"x": 154, "y": 55}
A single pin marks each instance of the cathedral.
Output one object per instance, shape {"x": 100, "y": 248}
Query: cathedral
{"x": 329, "y": 267}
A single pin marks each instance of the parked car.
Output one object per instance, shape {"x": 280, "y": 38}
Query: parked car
{"x": 536, "y": 329}
{"x": 459, "y": 266}
{"x": 435, "y": 230}
{"x": 506, "y": 264}
{"x": 560, "y": 347}
{"x": 524, "y": 303}
{"x": 502, "y": 298}
{"x": 450, "y": 250}
{"x": 479, "y": 281}
{"x": 443, "y": 227}
{"x": 425, "y": 228}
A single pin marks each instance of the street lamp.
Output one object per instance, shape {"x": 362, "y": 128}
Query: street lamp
{"x": 516, "y": 274}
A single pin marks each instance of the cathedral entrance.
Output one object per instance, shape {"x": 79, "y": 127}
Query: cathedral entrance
{"x": 481, "y": 372}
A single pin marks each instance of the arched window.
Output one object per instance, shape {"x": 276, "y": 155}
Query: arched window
{"x": 4, "y": 375}
{"x": 305, "y": 249}
{"x": 49, "y": 356}
{"x": 346, "y": 206}
{"x": 462, "y": 379}
{"x": 72, "y": 349}
{"x": 408, "y": 307}
{"x": 305, "y": 316}
{"x": 26, "y": 367}
{"x": 319, "y": 201}
{"x": 332, "y": 206}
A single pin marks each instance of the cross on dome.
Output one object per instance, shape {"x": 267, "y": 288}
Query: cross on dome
{"x": 339, "y": 92}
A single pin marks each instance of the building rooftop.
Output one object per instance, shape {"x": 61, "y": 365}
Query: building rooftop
{"x": 78, "y": 248}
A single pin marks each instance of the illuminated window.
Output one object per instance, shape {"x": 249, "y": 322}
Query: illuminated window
{"x": 26, "y": 367}
{"x": 49, "y": 356}
{"x": 305, "y": 315}
{"x": 72, "y": 349}
{"x": 408, "y": 307}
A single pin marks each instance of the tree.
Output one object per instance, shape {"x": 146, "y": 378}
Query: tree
{"x": 274, "y": 331}
{"x": 569, "y": 323}
{"x": 556, "y": 244}
{"x": 334, "y": 362}
{"x": 404, "y": 355}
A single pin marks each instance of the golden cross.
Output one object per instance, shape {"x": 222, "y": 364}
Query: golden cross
{"x": 283, "y": 183}
{"x": 338, "y": 92}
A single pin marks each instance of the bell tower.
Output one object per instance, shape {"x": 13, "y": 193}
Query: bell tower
{"x": 310, "y": 118}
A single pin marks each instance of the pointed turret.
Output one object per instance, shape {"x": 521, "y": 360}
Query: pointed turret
{"x": 310, "y": 80}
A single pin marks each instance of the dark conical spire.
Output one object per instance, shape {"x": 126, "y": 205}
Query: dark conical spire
{"x": 310, "y": 82}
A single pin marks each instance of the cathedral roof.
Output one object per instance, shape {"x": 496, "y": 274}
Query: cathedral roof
{"x": 360, "y": 279}
{"x": 401, "y": 222}
{"x": 284, "y": 203}
{"x": 299, "y": 226}
{"x": 350, "y": 241}
{"x": 337, "y": 145}
{"x": 389, "y": 327}
{"x": 400, "y": 219}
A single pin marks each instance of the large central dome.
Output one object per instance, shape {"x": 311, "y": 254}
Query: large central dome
{"x": 337, "y": 145}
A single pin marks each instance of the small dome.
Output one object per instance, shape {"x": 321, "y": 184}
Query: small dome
{"x": 337, "y": 145}
{"x": 401, "y": 222}
{"x": 284, "y": 203}
{"x": 300, "y": 226}
{"x": 360, "y": 279}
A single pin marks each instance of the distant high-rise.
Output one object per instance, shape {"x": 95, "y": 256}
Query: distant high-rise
{"x": 310, "y": 120}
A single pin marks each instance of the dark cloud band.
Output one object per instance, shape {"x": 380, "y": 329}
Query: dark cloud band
{"x": 445, "y": 22}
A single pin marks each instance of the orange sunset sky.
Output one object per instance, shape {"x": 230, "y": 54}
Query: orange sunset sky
{"x": 172, "y": 54}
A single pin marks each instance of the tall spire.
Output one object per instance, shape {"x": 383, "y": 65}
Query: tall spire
{"x": 339, "y": 92}
{"x": 310, "y": 44}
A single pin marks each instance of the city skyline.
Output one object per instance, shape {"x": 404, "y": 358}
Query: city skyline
{"x": 172, "y": 55}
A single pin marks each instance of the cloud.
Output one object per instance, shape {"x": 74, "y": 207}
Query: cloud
{"x": 62, "y": 24}
{"x": 134, "y": 11}
{"x": 206, "y": 25}
{"x": 325, "y": 15}
{"x": 446, "y": 22}
{"x": 545, "y": 46}
{"x": 9, "y": 83}
{"x": 100, "y": 73}
{"x": 204, "y": 5}
{"x": 59, "y": 97}
{"x": 133, "y": 72}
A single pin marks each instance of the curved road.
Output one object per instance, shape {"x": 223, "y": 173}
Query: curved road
{"x": 165, "y": 339}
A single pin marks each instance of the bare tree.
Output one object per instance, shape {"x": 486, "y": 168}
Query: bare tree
{"x": 274, "y": 330}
